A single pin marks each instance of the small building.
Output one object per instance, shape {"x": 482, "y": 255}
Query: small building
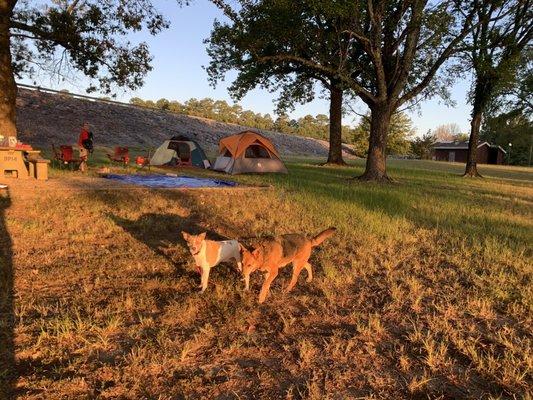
{"x": 457, "y": 152}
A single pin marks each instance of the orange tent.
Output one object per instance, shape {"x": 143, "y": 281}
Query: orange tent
{"x": 237, "y": 144}
{"x": 247, "y": 152}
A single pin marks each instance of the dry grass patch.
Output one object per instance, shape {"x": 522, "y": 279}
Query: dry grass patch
{"x": 425, "y": 292}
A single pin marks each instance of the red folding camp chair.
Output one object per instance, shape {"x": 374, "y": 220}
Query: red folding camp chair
{"x": 120, "y": 155}
{"x": 65, "y": 156}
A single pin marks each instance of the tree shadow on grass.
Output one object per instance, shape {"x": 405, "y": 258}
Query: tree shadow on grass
{"x": 7, "y": 313}
{"x": 160, "y": 232}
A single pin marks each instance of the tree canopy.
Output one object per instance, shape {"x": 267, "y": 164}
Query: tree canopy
{"x": 85, "y": 36}
{"x": 513, "y": 127}
{"x": 498, "y": 36}
{"x": 287, "y": 46}
{"x": 388, "y": 53}
{"x": 422, "y": 147}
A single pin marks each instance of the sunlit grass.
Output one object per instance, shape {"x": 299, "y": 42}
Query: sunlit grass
{"x": 424, "y": 291}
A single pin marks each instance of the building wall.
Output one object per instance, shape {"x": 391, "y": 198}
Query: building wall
{"x": 444, "y": 155}
{"x": 461, "y": 155}
{"x": 501, "y": 157}
{"x": 483, "y": 154}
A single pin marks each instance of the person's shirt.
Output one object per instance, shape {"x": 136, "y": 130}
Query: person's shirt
{"x": 84, "y": 135}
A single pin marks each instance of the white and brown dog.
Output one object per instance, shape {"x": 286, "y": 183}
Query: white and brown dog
{"x": 208, "y": 253}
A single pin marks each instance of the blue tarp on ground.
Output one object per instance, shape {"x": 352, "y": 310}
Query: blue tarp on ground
{"x": 165, "y": 181}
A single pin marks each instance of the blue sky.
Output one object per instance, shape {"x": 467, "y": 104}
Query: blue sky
{"x": 179, "y": 55}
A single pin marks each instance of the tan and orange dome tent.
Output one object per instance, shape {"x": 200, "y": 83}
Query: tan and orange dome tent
{"x": 248, "y": 152}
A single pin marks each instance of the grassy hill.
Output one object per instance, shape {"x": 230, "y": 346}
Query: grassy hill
{"x": 425, "y": 291}
{"x": 45, "y": 119}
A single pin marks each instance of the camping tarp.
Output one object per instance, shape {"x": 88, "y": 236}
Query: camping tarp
{"x": 165, "y": 181}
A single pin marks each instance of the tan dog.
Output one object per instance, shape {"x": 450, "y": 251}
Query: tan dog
{"x": 272, "y": 254}
{"x": 208, "y": 253}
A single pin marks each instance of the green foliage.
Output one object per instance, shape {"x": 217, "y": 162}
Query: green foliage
{"x": 501, "y": 32}
{"x": 400, "y": 133}
{"x": 282, "y": 45}
{"x": 513, "y": 127}
{"x": 422, "y": 147}
{"x": 85, "y": 36}
{"x": 495, "y": 47}
{"x": 386, "y": 53}
{"x": 310, "y": 126}
{"x": 517, "y": 94}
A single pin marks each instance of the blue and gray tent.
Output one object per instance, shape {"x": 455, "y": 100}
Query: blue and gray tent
{"x": 180, "y": 150}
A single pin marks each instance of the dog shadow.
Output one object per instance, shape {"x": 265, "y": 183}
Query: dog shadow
{"x": 162, "y": 234}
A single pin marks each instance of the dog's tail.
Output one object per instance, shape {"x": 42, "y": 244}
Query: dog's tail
{"x": 322, "y": 236}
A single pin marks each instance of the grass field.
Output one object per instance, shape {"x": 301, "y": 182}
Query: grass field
{"x": 425, "y": 292}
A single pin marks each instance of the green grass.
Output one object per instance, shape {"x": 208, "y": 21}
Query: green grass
{"x": 425, "y": 291}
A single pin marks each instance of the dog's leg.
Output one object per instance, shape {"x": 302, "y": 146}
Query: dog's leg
{"x": 205, "y": 277}
{"x": 239, "y": 265}
{"x": 297, "y": 267}
{"x": 269, "y": 277}
{"x": 247, "y": 281}
{"x": 201, "y": 272}
{"x": 309, "y": 270}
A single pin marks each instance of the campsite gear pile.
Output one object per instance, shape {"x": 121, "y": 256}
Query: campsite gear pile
{"x": 180, "y": 151}
{"x": 248, "y": 152}
{"x": 244, "y": 152}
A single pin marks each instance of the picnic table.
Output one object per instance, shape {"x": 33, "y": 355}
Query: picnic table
{"x": 22, "y": 163}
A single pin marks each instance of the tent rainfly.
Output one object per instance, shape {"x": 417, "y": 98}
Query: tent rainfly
{"x": 248, "y": 152}
{"x": 180, "y": 150}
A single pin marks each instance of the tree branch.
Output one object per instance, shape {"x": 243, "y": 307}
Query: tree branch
{"x": 435, "y": 67}
{"x": 366, "y": 96}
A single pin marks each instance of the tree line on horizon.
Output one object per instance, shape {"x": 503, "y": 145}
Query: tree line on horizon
{"x": 316, "y": 127}
{"x": 504, "y": 126}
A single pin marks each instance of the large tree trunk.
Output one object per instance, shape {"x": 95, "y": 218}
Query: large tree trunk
{"x": 471, "y": 157}
{"x": 335, "y": 127}
{"x": 376, "y": 168}
{"x": 482, "y": 94}
{"x": 8, "y": 88}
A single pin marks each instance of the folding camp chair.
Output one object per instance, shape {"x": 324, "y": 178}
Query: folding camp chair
{"x": 65, "y": 156}
{"x": 144, "y": 161}
{"x": 121, "y": 155}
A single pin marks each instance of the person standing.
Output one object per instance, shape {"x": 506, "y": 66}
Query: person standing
{"x": 85, "y": 145}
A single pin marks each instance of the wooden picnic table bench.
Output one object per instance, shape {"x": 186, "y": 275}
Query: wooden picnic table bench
{"x": 22, "y": 163}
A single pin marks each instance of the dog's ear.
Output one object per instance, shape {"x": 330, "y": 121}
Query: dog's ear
{"x": 257, "y": 255}
{"x": 243, "y": 249}
{"x": 201, "y": 236}
{"x": 185, "y": 235}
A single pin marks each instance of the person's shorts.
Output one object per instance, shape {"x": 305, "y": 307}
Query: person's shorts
{"x": 84, "y": 154}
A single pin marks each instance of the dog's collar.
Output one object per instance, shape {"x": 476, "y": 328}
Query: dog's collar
{"x": 199, "y": 251}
